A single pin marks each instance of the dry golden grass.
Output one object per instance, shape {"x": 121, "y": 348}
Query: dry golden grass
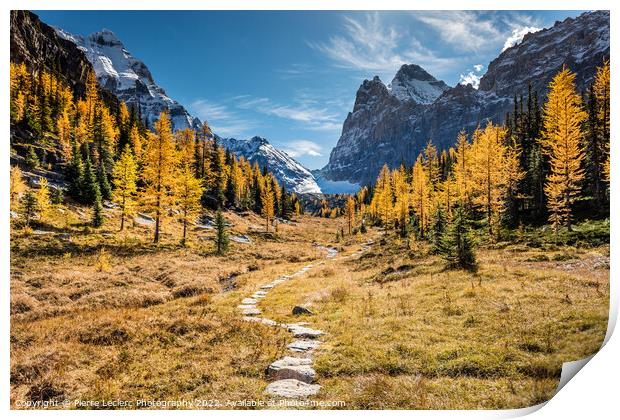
{"x": 104, "y": 315}
{"x": 405, "y": 333}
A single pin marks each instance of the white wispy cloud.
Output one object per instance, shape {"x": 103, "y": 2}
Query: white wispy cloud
{"x": 297, "y": 148}
{"x": 465, "y": 28}
{"x": 517, "y": 35}
{"x": 470, "y": 79}
{"x": 475, "y": 31}
{"x": 313, "y": 117}
{"x": 372, "y": 45}
{"x": 223, "y": 121}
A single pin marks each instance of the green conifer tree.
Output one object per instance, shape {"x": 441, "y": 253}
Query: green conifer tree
{"x": 74, "y": 174}
{"x": 221, "y": 236}
{"x": 32, "y": 160}
{"x": 98, "y": 218}
{"x": 438, "y": 229}
{"x": 90, "y": 186}
{"x": 29, "y": 206}
{"x": 104, "y": 183}
{"x": 456, "y": 245}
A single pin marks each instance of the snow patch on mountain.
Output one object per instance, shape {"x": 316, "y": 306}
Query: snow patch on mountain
{"x": 412, "y": 82}
{"x": 334, "y": 187}
{"x": 287, "y": 170}
{"x": 128, "y": 78}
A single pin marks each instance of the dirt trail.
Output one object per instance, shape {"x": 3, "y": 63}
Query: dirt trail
{"x": 292, "y": 376}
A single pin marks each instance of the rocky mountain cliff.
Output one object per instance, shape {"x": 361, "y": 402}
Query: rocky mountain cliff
{"x": 287, "y": 170}
{"x": 391, "y": 124}
{"x": 123, "y": 77}
{"x": 37, "y": 45}
{"x": 128, "y": 78}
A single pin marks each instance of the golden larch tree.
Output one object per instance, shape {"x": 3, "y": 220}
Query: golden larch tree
{"x": 18, "y": 186}
{"x": 267, "y": 201}
{"x": 43, "y": 199}
{"x": 189, "y": 190}
{"x": 562, "y": 139}
{"x": 494, "y": 168}
{"x": 402, "y": 194}
{"x": 461, "y": 168}
{"x": 159, "y": 171}
{"x": 136, "y": 142}
{"x": 125, "y": 174}
{"x": 603, "y": 99}
{"x": 350, "y": 213}
{"x": 421, "y": 195}
{"x": 383, "y": 198}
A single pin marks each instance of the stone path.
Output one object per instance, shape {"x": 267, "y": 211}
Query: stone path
{"x": 293, "y": 375}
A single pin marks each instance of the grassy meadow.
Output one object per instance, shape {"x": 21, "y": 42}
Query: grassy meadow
{"x": 102, "y": 315}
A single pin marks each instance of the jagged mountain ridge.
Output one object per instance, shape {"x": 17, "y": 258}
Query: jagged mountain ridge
{"x": 128, "y": 78}
{"x": 413, "y": 83}
{"x": 122, "y": 77}
{"x": 293, "y": 175}
{"x": 37, "y": 45}
{"x": 386, "y": 126}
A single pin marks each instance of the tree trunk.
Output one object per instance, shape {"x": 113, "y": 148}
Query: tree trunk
{"x": 184, "y": 230}
{"x": 123, "y": 215}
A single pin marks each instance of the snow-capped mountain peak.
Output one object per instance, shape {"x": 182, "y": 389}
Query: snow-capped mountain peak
{"x": 128, "y": 78}
{"x": 412, "y": 82}
{"x": 287, "y": 170}
{"x": 132, "y": 82}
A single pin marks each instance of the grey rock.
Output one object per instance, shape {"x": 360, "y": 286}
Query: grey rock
{"x": 300, "y": 310}
{"x": 242, "y": 239}
{"x": 292, "y": 388}
{"x": 251, "y": 311}
{"x": 292, "y": 368}
{"x": 304, "y": 332}
{"x": 303, "y": 373}
{"x": 303, "y": 345}
{"x": 248, "y": 301}
{"x": 265, "y": 321}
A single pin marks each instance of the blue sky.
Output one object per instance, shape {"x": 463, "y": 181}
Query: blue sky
{"x": 292, "y": 76}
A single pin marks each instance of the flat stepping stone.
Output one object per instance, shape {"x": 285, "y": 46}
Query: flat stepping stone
{"x": 304, "y": 332}
{"x": 248, "y": 301}
{"x": 292, "y": 368}
{"x": 267, "y": 286}
{"x": 290, "y": 361}
{"x": 251, "y": 311}
{"x": 292, "y": 388}
{"x": 265, "y": 321}
{"x": 303, "y": 345}
{"x": 303, "y": 373}
{"x": 253, "y": 306}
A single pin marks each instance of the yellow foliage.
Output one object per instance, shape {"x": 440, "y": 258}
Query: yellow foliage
{"x": 562, "y": 142}
{"x": 125, "y": 174}
{"x": 494, "y": 169}
{"x": 159, "y": 171}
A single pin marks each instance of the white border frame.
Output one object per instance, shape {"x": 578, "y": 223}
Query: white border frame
{"x": 593, "y": 393}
